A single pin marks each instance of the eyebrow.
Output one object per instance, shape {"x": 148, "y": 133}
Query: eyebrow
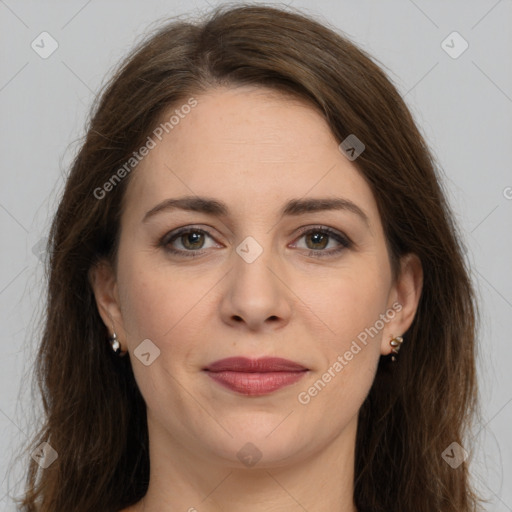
{"x": 293, "y": 207}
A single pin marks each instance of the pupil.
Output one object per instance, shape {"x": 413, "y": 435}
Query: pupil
{"x": 319, "y": 238}
{"x": 188, "y": 237}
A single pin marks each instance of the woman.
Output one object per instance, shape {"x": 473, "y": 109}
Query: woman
{"x": 257, "y": 297}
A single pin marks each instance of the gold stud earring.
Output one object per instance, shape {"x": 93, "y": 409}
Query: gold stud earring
{"x": 395, "y": 344}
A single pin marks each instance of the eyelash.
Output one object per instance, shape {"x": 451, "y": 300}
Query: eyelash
{"x": 345, "y": 242}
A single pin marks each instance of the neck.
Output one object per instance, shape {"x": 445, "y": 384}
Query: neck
{"x": 182, "y": 478}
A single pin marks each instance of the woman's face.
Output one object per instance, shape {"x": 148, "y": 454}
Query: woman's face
{"x": 257, "y": 275}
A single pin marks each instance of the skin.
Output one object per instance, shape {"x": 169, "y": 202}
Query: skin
{"x": 252, "y": 149}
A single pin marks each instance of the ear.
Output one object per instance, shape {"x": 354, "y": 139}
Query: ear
{"x": 404, "y": 299}
{"x": 104, "y": 284}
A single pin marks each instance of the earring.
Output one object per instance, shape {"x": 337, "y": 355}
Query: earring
{"x": 116, "y": 346}
{"x": 395, "y": 343}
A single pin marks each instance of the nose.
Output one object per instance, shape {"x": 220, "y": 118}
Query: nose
{"x": 256, "y": 296}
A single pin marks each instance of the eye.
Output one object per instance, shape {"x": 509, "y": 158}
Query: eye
{"x": 191, "y": 240}
{"x": 318, "y": 239}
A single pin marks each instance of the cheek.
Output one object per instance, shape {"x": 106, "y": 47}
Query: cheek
{"x": 155, "y": 304}
{"x": 349, "y": 301}
{"x": 347, "y": 310}
{"x": 345, "y": 373}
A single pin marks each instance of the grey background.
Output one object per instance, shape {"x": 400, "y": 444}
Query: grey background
{"x": 463, "y": 106}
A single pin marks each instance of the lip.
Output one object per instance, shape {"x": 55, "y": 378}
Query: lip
{"x": 255, "y": 377}
{"x": 260, "y": 365}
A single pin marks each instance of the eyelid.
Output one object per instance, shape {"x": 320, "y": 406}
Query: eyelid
{"x": 320, "y": 227}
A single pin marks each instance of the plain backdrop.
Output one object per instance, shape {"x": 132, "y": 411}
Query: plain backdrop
{"x": 461, "y": 100}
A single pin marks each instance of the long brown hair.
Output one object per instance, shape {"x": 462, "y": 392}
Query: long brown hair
{"x": 95, "y": 416}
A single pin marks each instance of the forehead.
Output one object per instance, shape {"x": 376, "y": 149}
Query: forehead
{"x": 251, "y": 148}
